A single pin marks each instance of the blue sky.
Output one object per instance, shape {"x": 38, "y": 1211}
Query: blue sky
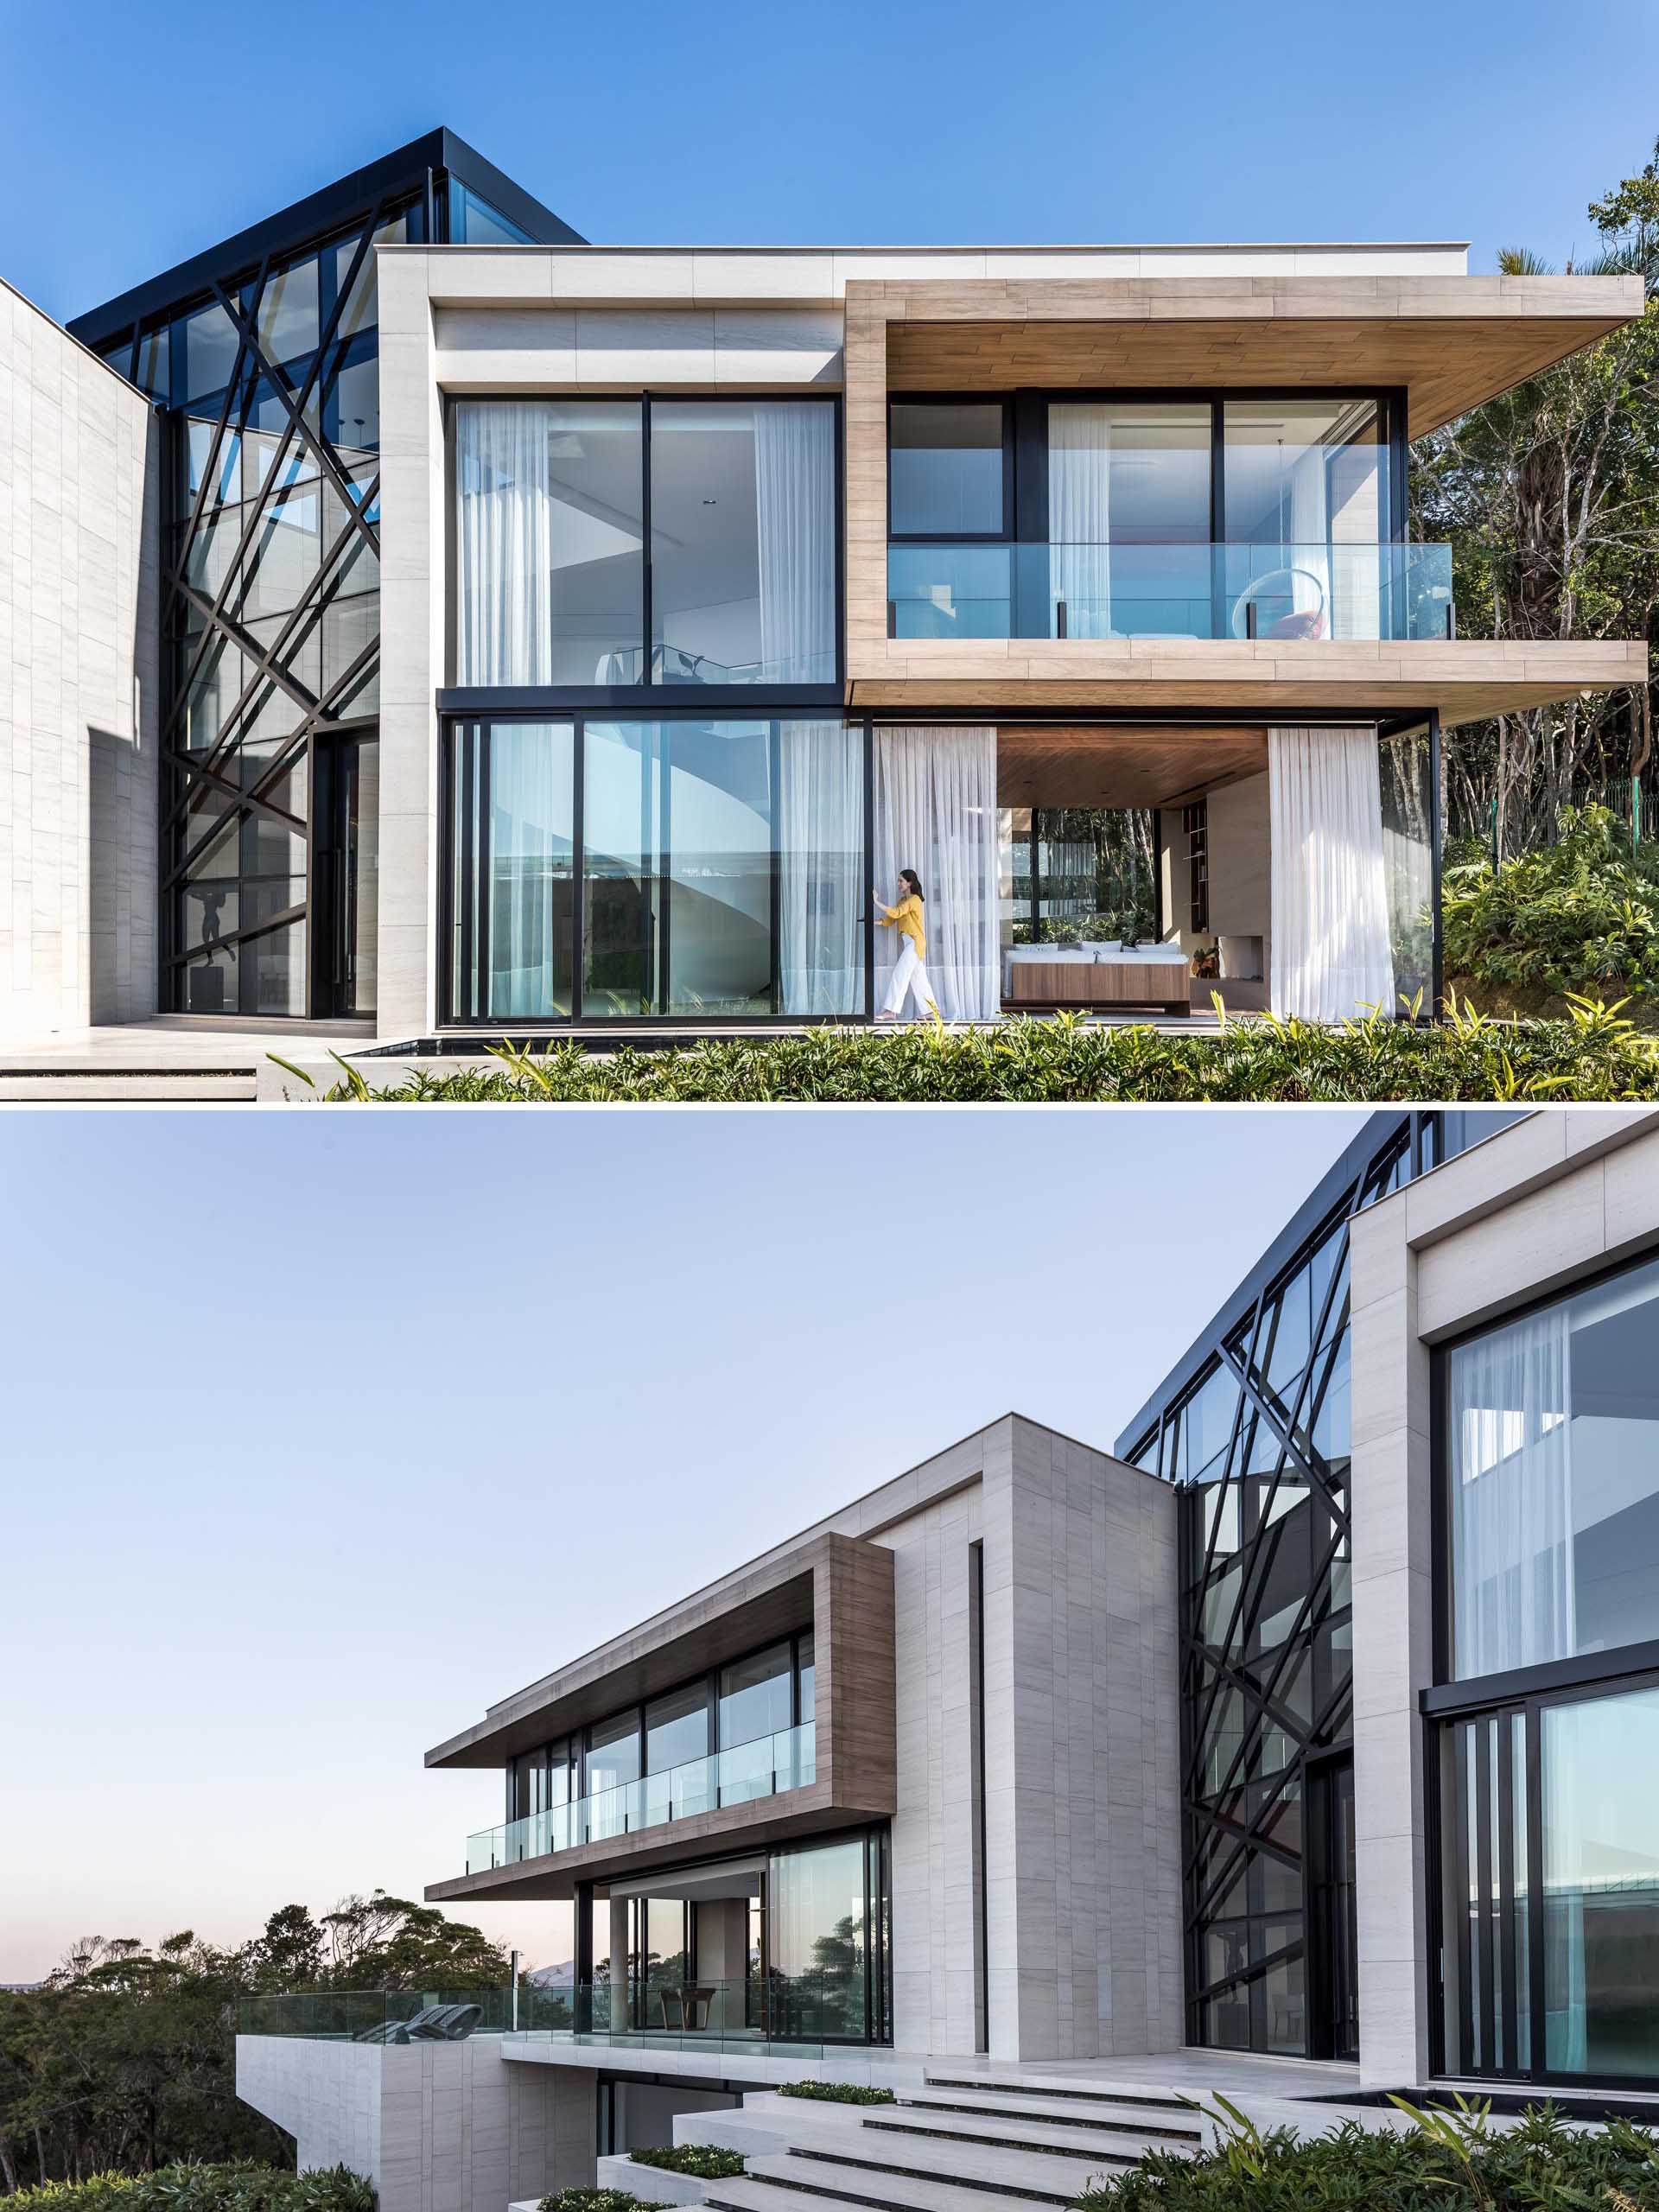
{"x": 324, "y": 1430}
{"x": 135, "y": 136}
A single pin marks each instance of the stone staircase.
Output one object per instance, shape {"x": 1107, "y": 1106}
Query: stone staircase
{"x": 942, "y": 2147}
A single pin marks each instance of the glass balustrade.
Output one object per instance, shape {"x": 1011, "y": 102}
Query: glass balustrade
{"x": 779, "y": 2011}
{"x": 772, "y": 1764}
{"x": 1266, "y": 592}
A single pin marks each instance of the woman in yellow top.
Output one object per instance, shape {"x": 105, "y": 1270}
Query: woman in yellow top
{"x": 909, "y": 974}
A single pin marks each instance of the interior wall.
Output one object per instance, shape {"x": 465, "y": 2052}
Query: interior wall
{"x": 1241, "y": 879}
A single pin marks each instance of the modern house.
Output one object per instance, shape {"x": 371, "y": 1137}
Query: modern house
{"x": 1303, "y": 1745}
{"x": 514, "y": 634}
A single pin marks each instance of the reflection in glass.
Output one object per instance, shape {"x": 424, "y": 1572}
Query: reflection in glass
{"x": 754, "y": 1696}
{"x": 718, "y": 836}
{"x": 742, "y": 541}
{"x": 621, "y": 867}
{"x": 819, "y": 1937}
{"x": 946, "y": 469}
{"x": 1129, "y": 520}
{"x": 474, "y": 221}
{"x": 548, "y": 541}
{"x": 1310, "y": 477}
{"x": 1601, "y": 1885}
{"x": 1553, "y": 1474}
{"x": 820, "y": 835}
{"x": 1408, "y": 863}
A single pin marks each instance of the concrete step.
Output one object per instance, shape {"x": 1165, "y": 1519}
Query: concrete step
{"x": 1025, "y": 2135}
{"x": 779, "y": 2182}
{"x": 984, "y": 2084}
{"x": 95, "y": 1086}
{"x": 1152, "y": 2120}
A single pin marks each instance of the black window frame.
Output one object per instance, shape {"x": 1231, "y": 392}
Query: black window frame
{"x": 549, "y": 699}
{"x": 1450, "y": 1701}
{"x": 1009, "y": 533}
{"x": 633, "y": 708}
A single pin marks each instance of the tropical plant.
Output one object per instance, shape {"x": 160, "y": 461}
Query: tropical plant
{"x": 838, "y": 2092}
{"x": 596, "y": 2200}
{"x": 1451, "y": 2160}
{"x": 1595, "y": 1053}
{"x": 703, "y": 2161}
{"x": 242, "y": 2186}
{"x": 1580, "y": 915}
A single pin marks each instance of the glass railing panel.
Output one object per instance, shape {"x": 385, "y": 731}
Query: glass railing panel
{"x": 787, "y": 1760}
{"x": 1292, "y": 592}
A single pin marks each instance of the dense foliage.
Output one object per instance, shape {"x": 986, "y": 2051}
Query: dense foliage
{"x": 838, "y": 2092}
{"x": 1597, "y": 1053}
{"x": 124, "y": 2059}
{"x": 1549, "y": 495}
{"x": 704, "y": 2161}
{"x": 242, "y": 2186}
{"x": 1578, "y": 916}
{"x": 596, "y": 2200}
{"x": 1453, "y": 2162}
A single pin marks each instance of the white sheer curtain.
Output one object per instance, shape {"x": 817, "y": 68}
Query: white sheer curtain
{"x": 1079, "y": 520}
{"x": 795, "y": 517}
{"x": 936, "y": 811}
{"x": 503, "y": 509}
{"x": 525, "y": 809}
{"x": 1329, "y": 909}
{"x": 1509, "y": 1429}
{"x": 821, "y": 866}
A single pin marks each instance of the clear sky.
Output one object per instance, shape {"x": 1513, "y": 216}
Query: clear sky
{"x": 133, "y": 136}
{"x": 324, "y": 1430}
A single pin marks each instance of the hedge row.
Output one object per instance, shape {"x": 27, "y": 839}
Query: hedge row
{"x": 1595, "y": 1055}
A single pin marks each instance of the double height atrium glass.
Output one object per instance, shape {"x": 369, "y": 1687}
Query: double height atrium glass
{"x": 559, "y": 582}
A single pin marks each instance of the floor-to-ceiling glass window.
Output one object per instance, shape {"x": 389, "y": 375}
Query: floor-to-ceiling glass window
{"x": 826, "y": 1928}
{"x": 555, "y": 583}
{"x": 1129, "y": 519}
{"x": 716, "y": 869}
{"x": 1307, "y": 501}
{"x": 1549, "y": 1811}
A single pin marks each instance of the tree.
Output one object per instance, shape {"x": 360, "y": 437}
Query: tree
{"x": 1549, "y": 495}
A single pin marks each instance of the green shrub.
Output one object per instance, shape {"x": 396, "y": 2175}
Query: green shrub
{"x": 1453, "y": 2162}
{"x": 243, "y": 2187}
{"x": 1595, "y": 1054}
{"x": 597, "y": 2200}
{"x": 705, "y": 2161}
{"x": 838, "y": 2092}
{"x": 1581, "y": 915}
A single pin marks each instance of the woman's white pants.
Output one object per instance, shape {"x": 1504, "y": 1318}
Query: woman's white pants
{"x": 908, "y": 976}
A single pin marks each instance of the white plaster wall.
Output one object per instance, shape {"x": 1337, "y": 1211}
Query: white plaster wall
{"x": 79, "y": 521}
{"x": 1525, "y": 1214}
{"x": 437, "y": 2127}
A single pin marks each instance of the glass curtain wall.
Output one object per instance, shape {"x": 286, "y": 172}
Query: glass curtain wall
{"x": 1259, "y": 1439}
{"x": 711, "y": 869}
{"x": 553, "y": 585}
{"x": 828, "y": 1916}
{"x": 271, "y": 603}
{"x": 1129, "y": 519}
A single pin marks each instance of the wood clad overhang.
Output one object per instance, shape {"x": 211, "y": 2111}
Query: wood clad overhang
{"x": 1449, "y": 342}
{"x": 839, "y": 1586}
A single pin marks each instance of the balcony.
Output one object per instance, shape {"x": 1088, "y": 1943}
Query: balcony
{"x": 835, "y": 1767}
{"x": 738, "y": 1776}
{"x": 1277, "y": 593}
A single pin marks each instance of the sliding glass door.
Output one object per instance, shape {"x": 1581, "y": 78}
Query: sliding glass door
{"x": 678, "y": 868}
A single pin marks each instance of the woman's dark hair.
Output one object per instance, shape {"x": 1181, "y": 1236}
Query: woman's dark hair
{"x": 909, "y": 876}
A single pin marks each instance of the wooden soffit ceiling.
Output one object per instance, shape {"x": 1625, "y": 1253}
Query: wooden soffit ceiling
{"x": 1072, "y": 765}
{"x": 1451, "y": 341}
